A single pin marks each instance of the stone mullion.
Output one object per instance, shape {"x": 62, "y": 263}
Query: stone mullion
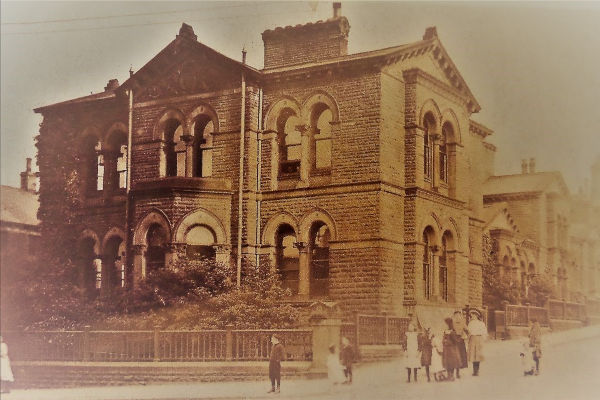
{"x": 139, "y": 263}
{"x": 307, "y": 155}
{"x": 304, "y": 270}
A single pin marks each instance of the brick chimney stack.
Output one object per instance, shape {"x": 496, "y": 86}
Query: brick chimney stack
{"x": 337, "y": 10}
{"x": 532, "y": 165}
{"x": 28, "y": 178}
{"x": 523, "y": 166}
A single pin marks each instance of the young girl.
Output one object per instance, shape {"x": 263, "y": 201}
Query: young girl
{"x": 413, "y": 356}
{"x": 335, "y": 371}
{"x": 527, "y": 359}
{"x": 426, "y": 349}
{"x": 436, "y": 358}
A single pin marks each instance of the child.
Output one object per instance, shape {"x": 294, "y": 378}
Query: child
{"x": 426, "y": 349}
{"x": 527, "y": 360}
{"x": 335, "y": 371}
{"x": 413, "y": 355}
{"x": 347, "y": 358}
{"x": 436, "y": 358}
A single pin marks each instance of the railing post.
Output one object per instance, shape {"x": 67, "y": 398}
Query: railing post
{"x": 357, "y": 333}
{"x": 86, "y": 343}
{"x": 564, "y": 309}
{"x": 156, "y": 343}
{"x": 228, "y": 342}
{"x": 527, "y": 313}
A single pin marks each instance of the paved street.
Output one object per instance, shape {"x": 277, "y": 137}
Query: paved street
{"x": 569, "y": 370}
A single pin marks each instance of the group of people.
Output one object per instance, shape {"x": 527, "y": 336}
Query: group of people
{"x": 445, "y": 353}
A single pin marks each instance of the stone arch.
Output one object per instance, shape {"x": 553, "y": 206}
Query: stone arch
{"x": 433, "y": 221}
{"x": 171, "y": 113}
{"x": 200, "y": 216}
{"x": 270, "y": 120}
{"x": 113, "y": 231}
{"x": 320, "y": 97}
{"x": 154, "y": 216}
{"x": 273, "y": 224}
{"x": 312, "y": 217}
{"x": 203, "y": 109}
{"x": 430, "y": 106}
{"x": 89, "y": 233}
{"x": 455, "y": 231}
{"x": 448, "y": 116}
{"x": 116, "y": 126}
{"x": 91, "y": 130}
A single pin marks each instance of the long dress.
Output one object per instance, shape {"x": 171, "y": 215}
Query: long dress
{"x": 5, "y": 370}
{"x": 413, "y": 356}
{"x": 451, "y": 356}
{"x": 477, "y": 334}
{"x": 426, "y": 349}
{"x": 436, "y": 355}
{"x": 335, "y": 371}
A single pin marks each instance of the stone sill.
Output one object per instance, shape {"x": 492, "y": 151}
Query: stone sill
{"x": 183, "y": 183}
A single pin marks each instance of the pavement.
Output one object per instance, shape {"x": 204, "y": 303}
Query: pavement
{"x": 570, "y": 370}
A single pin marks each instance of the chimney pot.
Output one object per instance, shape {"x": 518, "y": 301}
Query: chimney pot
{"x": 532, "y": 165}
{"x": 28, "y": 164}
{"x": 244, "y": 56}
{"x": 337, "y": 9}
{"x": 523, "y": 166}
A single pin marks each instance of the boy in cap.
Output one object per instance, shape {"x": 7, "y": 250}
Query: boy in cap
{"x": 275, "y": 364}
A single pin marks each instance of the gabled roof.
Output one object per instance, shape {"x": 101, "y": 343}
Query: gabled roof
{"x": 18, "y": 206}
{"x": 430, "y": 44}
{"x": 108, "y": 94}
{"x": 524, "y": 183}
{"x": 497, "y": 216}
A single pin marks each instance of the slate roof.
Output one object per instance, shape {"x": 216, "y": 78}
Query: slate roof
{"x": 523, "y": 183}
{"x": 18, "y": 206}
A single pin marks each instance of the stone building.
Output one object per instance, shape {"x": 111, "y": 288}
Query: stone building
{"x": 538, "y": 227}
{"x": 356, "y": 176}
{"x": 19, "y": 230}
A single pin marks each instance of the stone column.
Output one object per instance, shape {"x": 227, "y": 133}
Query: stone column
{"x": 435, "y": 161}
{"x": 176, "y": 251}
{"x": 304, "y": 270}
{"x": 325, "y": 320}
{"x": 189, "y": 155}
{"x": 139, "y": 263}
{"x": 306, "y": 159}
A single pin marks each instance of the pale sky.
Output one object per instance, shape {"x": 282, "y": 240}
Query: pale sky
{"x": 533, "y": 67}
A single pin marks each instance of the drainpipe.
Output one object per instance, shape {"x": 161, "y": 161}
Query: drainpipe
{"x": 128, "y": 188}
{"x": 241, "y": 182}
{"x": 258, "y": 172}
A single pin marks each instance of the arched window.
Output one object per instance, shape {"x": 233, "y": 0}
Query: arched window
{"x": 93, "y": 164}
{"x": 203, "y": 145}
{"x": 174, "y": 149}
{"x": 427, "y": 262}
{"x": 200, "y": 240}
{"x": 287, "y": 257}
{"x": 116, "y": 160}
{"x": 429, "y": 125}
{"x": 156, "y": 240}
{"x": 321, "y": 123}
{"x": 114, "y": 262}
{"x": 86, "y": 264}
{"x": 319, "y": 257}
{"x": 290, "y": 142}
{"x": 447, "y": 134}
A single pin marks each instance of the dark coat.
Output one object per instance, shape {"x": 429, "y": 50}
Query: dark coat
{"x": 347, "y": 356}
{"x": 451, "y": 355}
{"x": 462, "y": 352}
{"x": 426, "y": 348}
{"x": 277, "y": 356}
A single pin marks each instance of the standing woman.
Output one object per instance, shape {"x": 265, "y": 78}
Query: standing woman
{"x": 460, "y": 327}
{"x": 535, "y": 343}
{"x": 277, "y": 356}
{"x": 5, "y": 371}
{"x": 477, "y": 334}
{"x": 450, "y": 356}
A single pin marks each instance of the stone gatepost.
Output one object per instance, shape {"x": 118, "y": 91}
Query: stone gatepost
{"x": 326, "y": 321}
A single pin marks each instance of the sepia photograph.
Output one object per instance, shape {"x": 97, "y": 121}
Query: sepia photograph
{"x": 362, "y": 200}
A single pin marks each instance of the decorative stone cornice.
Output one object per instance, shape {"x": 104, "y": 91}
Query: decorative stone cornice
{"x": 414, "y": 192}
{"x": 480, "y": 129}
{"x": 498, "y": 197}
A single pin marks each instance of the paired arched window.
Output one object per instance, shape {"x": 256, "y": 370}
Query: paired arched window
{"x": 319, "y": 259}
{"x": 429, "y": 126}
{"x": 203, "y": 129}
{"x": 200, "y": 240}
{"x": 290, "y": 142}
{"x": 287, "y": 257}
{"x": 156, "y": 240}
{"x": 321, "y": 122}
{"x": 174, "y": 148}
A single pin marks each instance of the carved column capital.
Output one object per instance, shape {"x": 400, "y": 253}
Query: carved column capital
{"x": 139, "y": 249}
